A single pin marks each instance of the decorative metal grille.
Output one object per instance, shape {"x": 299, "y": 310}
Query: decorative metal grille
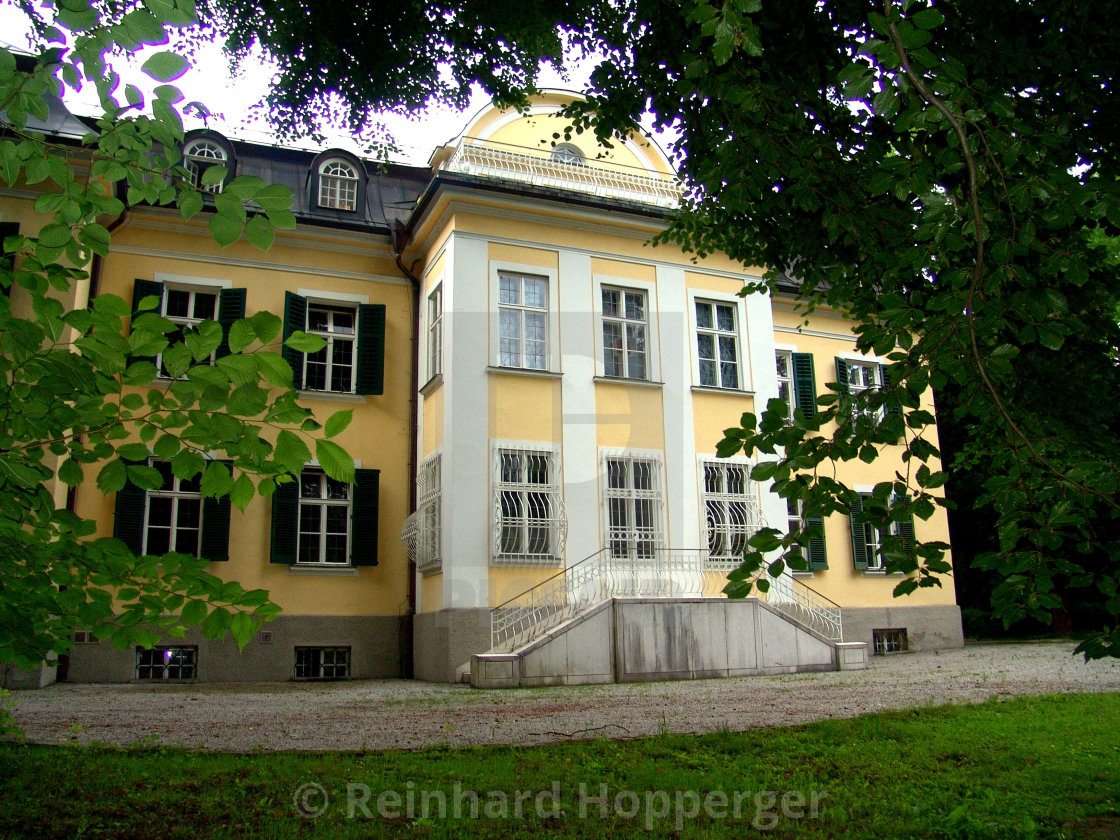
{"x": 635, "y": 506}
{"x": 530, "y": 525}
{"x": 891, "y": 640}
{"x": 428, "y": 557}
{"x": 732, "y": 513}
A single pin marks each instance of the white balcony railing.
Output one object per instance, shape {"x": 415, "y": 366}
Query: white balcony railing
{"x": 603, "y": 179}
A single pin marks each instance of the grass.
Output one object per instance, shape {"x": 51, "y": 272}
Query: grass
{"x": 1040, "y": 767}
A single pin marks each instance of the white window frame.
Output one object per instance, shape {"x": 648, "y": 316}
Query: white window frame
{"x": 322, "y": 502}
{"x": 736, "y": 333}
{"x": 319, "y": 299}
{"x": 640, "y": 544}
{"x": 199, "y": 155}
{"x": 552, "y": 316}
{"x": 876, "y": 364}
{"x": 435, "y": 332}
{"x": 165, "y": 653}
{"x": 429, "y": 499}
{"x": 338, "y": 191}
{"x": 750, "y": 516}
{"x": 190, "y": 321}
{"x": 176, "y": 494}
{"x": 653, "y": 343}
{"x": 549, "y": 493}
{"x": 323, "y": 666}
{"x": 790, "y": 380}
{"x": 873, "y": 536}
{"x": 333, "y": 338}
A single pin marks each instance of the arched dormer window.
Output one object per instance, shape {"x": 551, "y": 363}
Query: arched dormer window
{"x": 199, "y": 155}
{"x": 338, "y": 185}
{"x": 567, "y": 153}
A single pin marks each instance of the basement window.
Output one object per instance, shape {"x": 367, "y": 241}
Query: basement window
{"x": 166, "y": 663}
{"x": 889, "y": 641}
{"x": 322, "y": 663}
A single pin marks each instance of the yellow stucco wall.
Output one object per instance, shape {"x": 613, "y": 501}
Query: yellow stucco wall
{"x": 506, "y": 582}
{"x": 524, "y": 407}
{"x": 630, "y": 416}
{"x": 431, "y": 594}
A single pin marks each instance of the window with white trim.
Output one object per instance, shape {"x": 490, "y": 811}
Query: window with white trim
{"x": 786, "y": 393}
{"x": 522, "y": 320}
{"x": 860, "y": 377}
{"x": 428, "y": 557}
{"x": 186, "y": 309}
{"x": 166, "y": 663}
{"x": 322, "y": 663}
{"x": 717, "y": 344}
{"x": 634, "y": 505}
{"x": 868, "y": 540}
{"x": 338, "y": 185}
{"x": 625, "y": 333}
{"x": 567, "y": 153}
{"x": 435, "y": 332}
{"x": 324, "y": 520}
{"x": 200, "y": 155}
{"x": 529, "y": 521}
{"x": 173, "y": 514}
{"x": 732, "y": 513}
{"x": 332, "y": 368}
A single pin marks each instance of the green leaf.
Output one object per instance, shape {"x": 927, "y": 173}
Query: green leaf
{"x": 225, "y": 229}
{"x": 241, "y": 334}
{"x": 242, "y": 493}
{"x": 290, "y": 451}
{"x": 274, "y": 369}
{"x": 70, "y": 473}
{"x": 241, "y": 627}
{"x": 190, "y": 203}
{"x": 337, "y": 422}
{"x": 165, "y": 66}
{"x": 929, "y": 18}
{"x": 334, "y": 460}
{"x": 112, "y": 477}
{"x": 305, "y": 343}
{"x": 260, "y": 233}
{"x": 216, "y": 480}
{"x": 194, "y": 612}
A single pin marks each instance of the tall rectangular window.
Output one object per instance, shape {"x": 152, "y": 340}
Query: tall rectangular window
{"x": 786, "y": 393}
{"x": 332, "y": 368}
{"x": 717, "y": 344}
{"x": 435, "y": 332}
{"x": 529, "y": 515}
{"x": 173, "y": 520}
{"x": 868, "y": 540}
{"x": 625, "y": 333}
{"x": 634, "y": 506}
{"x": 522, "y": 321}
{"x": 731, "y": 510}
{"x": 324, "y": 520}
{"x": 186, "y": 309}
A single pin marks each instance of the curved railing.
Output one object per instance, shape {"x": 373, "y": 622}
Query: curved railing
{"x": 662, "y": 573}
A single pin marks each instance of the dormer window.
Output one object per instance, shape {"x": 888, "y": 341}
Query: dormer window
{"x": 200, "y": 155}
{"x": 567, "y": 153}
{"x": 338, "y": 185}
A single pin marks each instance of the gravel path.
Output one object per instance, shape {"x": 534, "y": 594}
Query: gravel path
{"x": 402, "y": 714}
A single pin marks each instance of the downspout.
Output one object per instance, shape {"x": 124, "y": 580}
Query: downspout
{"x": 399, "y": 236}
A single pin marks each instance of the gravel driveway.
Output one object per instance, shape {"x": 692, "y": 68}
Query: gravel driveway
{"x": 402, "y": 714}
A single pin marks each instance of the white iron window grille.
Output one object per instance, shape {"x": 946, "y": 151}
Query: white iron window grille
{"x": 892, "y": 640}
{"x": 428, "y": 557}
{"x": 435, "y": 332}
{"x": 199, "y": 156}
{"x": 324, "y": 520}
{"x": 166, "y": 663}
{"x": 625, "y": 334}
{"x": 338, "y": 185}
{"x": 732, "y": 511}
{"x": 786, "y": 393}
{"x": 332, "y": 368}
{"x": 717, "y": 344}
{"x": 173, "y": 515}
{"x": 522, "y": 321}
{"x": 567, "y": 153}
{"x": 634, "y": 503}
{"x": 186, "y": 309}
{"x": 322, "y": 663}
{"x": 530, "y": 526}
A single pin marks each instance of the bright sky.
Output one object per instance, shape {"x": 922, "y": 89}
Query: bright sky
{"x": 209, "y": 82}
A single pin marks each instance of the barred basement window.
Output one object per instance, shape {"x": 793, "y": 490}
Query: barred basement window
{"x": 166, "y": 663}
{"x": 529, "y": 522}
{"x": 632, "y": 495}
{"x": 428, "y": 496}
{"x": 889, "y": 641}
{"x": 322, "y": 663}
{"x": 731, "y": 509}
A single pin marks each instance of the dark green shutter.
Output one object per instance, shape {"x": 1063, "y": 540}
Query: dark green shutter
{"x": 285, "y": 523}
{"x": 842, "y": 375}
{"x": 231, "y": 307}
{"x": 371, "y": 349}
{"x": 143, "y": 289}
{"x": 894, "y": 404}
{"x": 906, "y": 526}
{"x": 804, "y": 384}
{"x": 363, "y": 518}
{"x": 818, "y": 556}
{"x": 128, "y": 519}
{"x": 859, "y": 540}
{"x": 8, "y": 229}
{"x": 215, "y": 527}
{"x": 295, "y": 318}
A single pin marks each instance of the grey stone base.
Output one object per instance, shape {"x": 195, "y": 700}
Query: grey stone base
{"x": 13, "y": 678}
{"x": 927, "y": 628}
{"x": 444, "y": 641}
{"x": 374, "y": 643}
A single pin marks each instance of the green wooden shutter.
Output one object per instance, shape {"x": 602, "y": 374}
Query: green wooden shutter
{"x": 143, "y": 289}
{"x": 231, "y": 307}
{"x": 215, "y": 527}
{"x": 128, "y": 519}
{"x": 371, "y": 349}
{"x": 906, "y": 526}
{"x": 818, "y": 556}
{"x": 8, "y": 229}
{"x": 285, "y": 523}
{"x": 859, "y": 540}
{"x": 894, "y": 405}
{"x": 295, "y": 318}
{"x": 804, "y": 383}
{"x": 842, "y": 375}
{"x": 363, "y": 518}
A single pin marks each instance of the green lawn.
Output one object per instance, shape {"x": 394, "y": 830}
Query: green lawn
{"x": 1045, "y": 767}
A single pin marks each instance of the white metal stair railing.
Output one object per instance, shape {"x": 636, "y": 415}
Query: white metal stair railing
{"x": 790, "y": 596}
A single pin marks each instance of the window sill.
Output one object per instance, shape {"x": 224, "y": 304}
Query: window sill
{"x": 547, "y": 374}
{"x": 534, "y": 562}
{"x": 341, "y": 571}
{"x": 712, "y": 389}
{"x": 332, "y": 396}
{"x": 431, "y": 385}
{"x": 881, "y": 573}
{"x": 622, "y": 380}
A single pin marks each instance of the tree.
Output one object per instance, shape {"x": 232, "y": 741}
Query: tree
{"x": 75, "y": 393}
